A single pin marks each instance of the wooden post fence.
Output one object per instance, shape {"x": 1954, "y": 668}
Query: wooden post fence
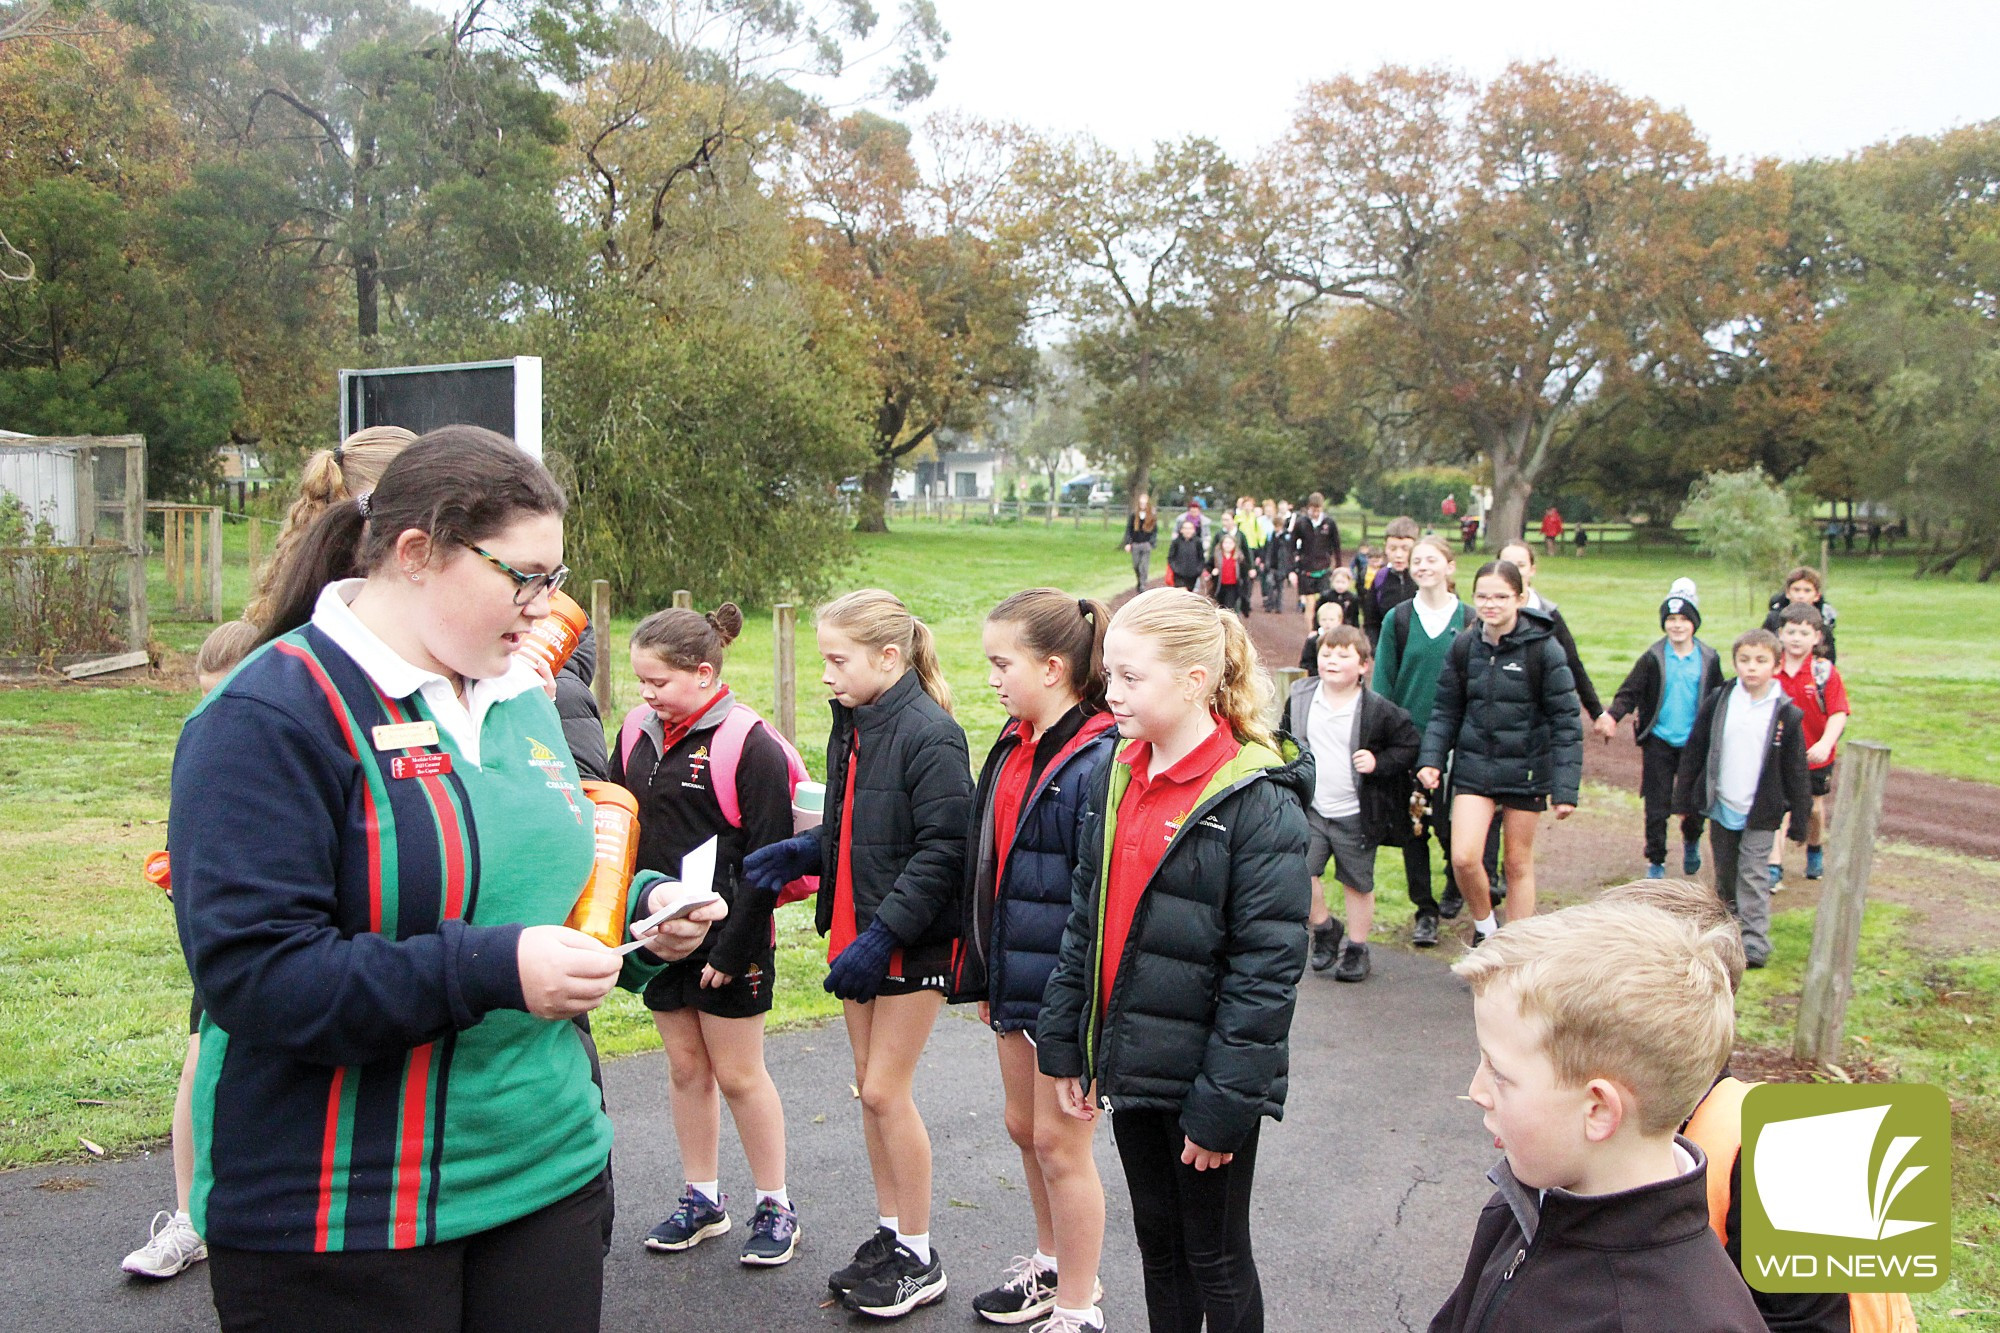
{"x": 1850, "y": 858}
{"x": 683, "y": 599}
{"x": 1286, "y": 678}
{"x": 215, "y": 565}
{"x": 785, "y": 660}
{"x": 136, "y": 626}
{"x": 600, "y": 616}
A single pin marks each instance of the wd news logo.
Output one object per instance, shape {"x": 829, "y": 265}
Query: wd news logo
{"x": 1846, "y": 1188}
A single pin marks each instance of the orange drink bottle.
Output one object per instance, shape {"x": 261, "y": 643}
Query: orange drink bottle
{"x": 556, "y": 636}
{"x": 600, "y": 910}
{"x": 158, "y": 871}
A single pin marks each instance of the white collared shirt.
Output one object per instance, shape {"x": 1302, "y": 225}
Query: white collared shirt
{"x": 397, "y": 678}
{"x": 1744, "y": 730}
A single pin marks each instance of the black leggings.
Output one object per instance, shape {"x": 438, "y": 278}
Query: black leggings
{"x": 1193, "y": 1228}
{"x": 1417, "y": 853}
{"x": 544, "y": 1271}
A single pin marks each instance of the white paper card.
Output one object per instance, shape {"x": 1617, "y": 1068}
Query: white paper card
{"x": 696, "y": 889}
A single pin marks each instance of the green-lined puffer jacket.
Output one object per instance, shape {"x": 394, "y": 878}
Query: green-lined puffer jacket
{"x": 1202, "y": 1009}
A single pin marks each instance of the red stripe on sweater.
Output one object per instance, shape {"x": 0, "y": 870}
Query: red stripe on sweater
{"x": 329, "y": 1143}
{"x": 369, "y": 820}
{"x": 409, "y": 1172}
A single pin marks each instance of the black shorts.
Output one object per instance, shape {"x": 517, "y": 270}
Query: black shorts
{"x": 1312, "y": 582}
{"x": 1507, "y": 800}
{"x": 1821, "y": 779}
{"x": 914, "y": 985}
{"x": 678, "y": 986}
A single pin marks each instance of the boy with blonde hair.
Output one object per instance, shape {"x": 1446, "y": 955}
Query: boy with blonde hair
{"x": 1601, "y": 1028}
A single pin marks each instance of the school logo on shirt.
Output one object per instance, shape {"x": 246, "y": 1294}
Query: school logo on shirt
{"x": 556, "y": 775}
{"x": 697, "y": 762}
{"x": 1174, "y": 824}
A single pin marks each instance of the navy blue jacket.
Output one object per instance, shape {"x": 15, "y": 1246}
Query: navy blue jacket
{"x": 1013, "y": 927}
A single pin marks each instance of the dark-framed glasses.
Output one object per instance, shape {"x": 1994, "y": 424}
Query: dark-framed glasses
{"x": 527, "y": 587}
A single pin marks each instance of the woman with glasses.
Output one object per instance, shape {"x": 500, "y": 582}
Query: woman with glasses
{"x": 377, "y": 833}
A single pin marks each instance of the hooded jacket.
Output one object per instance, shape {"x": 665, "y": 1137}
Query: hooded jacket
{"x": 1387, "y": 731}
{"x": 1640, "y": 694}
{"x": 1639, "y": 1261}
{"x": 1500, "y": 738}
{"x": 1184, "y": 556}
{"x": 1827, "y": 615}
{"x": 1013, "y": 923}
{"x": 1783, "y": 784}
{"x": 1199, "y": 1019}
{"x": 912, "y": 795}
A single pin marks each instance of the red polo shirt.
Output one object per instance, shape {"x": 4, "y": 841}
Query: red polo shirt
{"x": 1148, "y": 815}
{"x": 1798, "y": 687}
{"x": 1010, "y": 789}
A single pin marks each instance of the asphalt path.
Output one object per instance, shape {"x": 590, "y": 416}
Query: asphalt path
{"x": 1365, "y": 1200}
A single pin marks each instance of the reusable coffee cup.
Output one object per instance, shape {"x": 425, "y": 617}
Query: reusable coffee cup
{"x": 808, "y": 805}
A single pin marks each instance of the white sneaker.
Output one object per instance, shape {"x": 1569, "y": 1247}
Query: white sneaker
{"x": 1062, "y": 1321}
{"x": 173, "y": 1249}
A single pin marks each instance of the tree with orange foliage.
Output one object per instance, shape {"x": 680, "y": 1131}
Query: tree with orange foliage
{"x": 928, "y": 270}
{"x": 1531, "y": 254}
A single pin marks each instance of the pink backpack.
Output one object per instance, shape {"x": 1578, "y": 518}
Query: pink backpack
{"x": 725, "y": 752}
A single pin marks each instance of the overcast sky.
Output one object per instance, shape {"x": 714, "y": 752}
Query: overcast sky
{"x": 1759, "y": 77}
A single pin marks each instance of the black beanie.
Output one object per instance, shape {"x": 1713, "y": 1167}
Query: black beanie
{"x": 1680, "y": 606}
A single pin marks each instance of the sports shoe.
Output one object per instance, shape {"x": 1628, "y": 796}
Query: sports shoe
{"x": 1655, "y": 870}
{"x": 873, "y": 1253}
{"x": 1815, "y": 863}
{"x": 1062, "y": 1321}
{"x": 1025, "y": 1292}
{"x": 1354, "y": 965}
{"x": 774, "y": 1235}
{"x": 900, "y": 1285}
{"x": 1451, "y": 904}
{"x": 174, "y": 1248}
{"x": 1777, "y": 878}
{"x": 1425, "y": 934}
{"x": 689, "y": 1225}
{"x": 1326, "y": 942}
{"x": 1690, "y": 858}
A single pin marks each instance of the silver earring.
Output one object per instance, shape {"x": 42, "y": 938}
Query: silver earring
{"x": 415, "y": 579}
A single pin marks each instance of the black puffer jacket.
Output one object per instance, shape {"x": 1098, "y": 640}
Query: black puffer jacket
{"x": 1500, "y": 738}
{"x": 1774, "y": 622}
{"x": 1201, "y": 1012}
{"x": 582, "y": 724}
{"x": 1386, "y": 731}
{"x": 912, "y": 795}
{"x": 1013, "y": 928}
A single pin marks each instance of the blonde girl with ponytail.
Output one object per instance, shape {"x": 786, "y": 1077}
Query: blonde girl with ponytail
{"x": 1171, "y": 1001}
{"x": 330, "y": 477}
{"x": 891, "y": 861}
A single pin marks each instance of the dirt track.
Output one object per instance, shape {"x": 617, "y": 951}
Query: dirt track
{"x": 1949, "y": 813}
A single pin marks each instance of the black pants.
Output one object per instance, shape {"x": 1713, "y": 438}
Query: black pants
{"x": 1658, "y": 762}
{"x": 1233, "y": 596}
{"x": 1187, "y": 581}
{"x": 1193, "y": 1229}
{"x": 1417, "y": 854}
{"x": 542, "y": 1272}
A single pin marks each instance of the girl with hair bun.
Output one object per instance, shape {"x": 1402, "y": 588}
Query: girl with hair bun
{"x": 676, "y": 749}
{"x": 1045, "y": 653}
{"x": 1171, "y": 1002}
{"x": 891, "y": 862}
{"x": 330, "y": 477}
{"x": 396, "y": 1123}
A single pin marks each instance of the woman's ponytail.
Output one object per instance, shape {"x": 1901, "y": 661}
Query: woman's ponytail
{"x": 1246, "y": 692}
{"x": 924, "y": 661}
{"x": 1051, "y": 623}
{"x": 330, "y": 479}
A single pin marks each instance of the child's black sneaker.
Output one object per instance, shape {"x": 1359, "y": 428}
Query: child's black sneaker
{"x": 873, "y": 1253}
{"x": 1815, "y": 862}
{"x": 1026, "y": 1292}
{"x": 1452, "y": 903}
{"x": 1690, "y": 858}
{"x": 1354, "y": 964}
{"x": 774, "y": 1235}
{"x": 698, "y": 1218}
{"x": 1326, "y": 943}
{"x": 899, "y": 1285}
{"x": 1425, "y": 934}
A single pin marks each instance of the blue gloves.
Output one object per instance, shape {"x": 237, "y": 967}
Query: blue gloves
{"x": 857, "y": 974}
{"x": 779, "y": 864}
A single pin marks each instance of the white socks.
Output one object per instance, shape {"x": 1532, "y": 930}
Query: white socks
{"x": 1091, "y": 1318}
{"x": 1483, "y": 926}
{"x": 1045, "y": 1262}
{"x": 917, "y": 1243}
{"x": 778, "y": 1196}
{"x": 886, "y": 1223}
{"x": 707, "y": 1189}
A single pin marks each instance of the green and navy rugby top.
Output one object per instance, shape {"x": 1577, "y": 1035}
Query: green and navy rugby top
{"x": 369, "y": 1077}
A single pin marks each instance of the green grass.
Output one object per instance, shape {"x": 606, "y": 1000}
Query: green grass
{"x": 93, "y": 1031}
{"x": 1914, "y": 654}
{"x": 1920, "y": 1019}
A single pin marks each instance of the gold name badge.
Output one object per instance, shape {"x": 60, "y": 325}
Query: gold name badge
{"x": 405, "y": 735}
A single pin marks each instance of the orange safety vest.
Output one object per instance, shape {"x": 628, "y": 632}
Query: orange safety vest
{"x": 1717, "y": 1127}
